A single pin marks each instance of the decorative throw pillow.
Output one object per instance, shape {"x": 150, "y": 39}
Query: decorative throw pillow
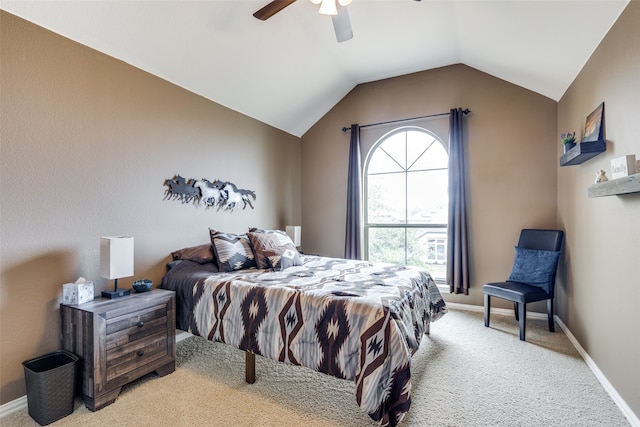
{"x": 202, "y": 254}
{"x": 534, "y": 267}
{"x": 282, "y": 257}
{"x": 233, "y": 251}
{"x": 262, "y": 240}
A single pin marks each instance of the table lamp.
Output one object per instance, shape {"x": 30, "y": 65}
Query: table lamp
{"x": 116, "y": 261}
{"x": 294, "y": 231}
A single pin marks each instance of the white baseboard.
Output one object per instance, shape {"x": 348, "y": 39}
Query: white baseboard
{"x": 182, "y": 335}
{"x": 21, "y": 402}
{"x": 14, "y": 406}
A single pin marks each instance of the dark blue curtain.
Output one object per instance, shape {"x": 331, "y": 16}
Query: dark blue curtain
{"x": 353, "y": 235}
{"x": 457, "y": 248}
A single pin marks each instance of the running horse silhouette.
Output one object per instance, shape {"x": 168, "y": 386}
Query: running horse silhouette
{"x": 181, "y": 189}
{"x": 210, "y": 195}
{"x": 233, "y": 196}
{"x": 221, "y": 194}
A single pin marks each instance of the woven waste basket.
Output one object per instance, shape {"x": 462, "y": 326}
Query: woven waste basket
{"x": 50, "y": 386}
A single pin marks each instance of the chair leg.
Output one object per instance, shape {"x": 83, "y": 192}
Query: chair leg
{"x": 523, "y": 319}
{"x": 515, "y": 310}
{"x": 552, "y": 327}
{"x": 487, "y": 309}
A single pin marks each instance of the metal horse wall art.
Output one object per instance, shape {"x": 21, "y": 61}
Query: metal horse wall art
{"x": 222, "y": 195}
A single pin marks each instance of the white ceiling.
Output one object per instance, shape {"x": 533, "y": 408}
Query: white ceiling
{"x": 289, "y": 71}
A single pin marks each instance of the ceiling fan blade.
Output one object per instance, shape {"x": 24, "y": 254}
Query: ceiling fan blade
{"x": 342, "y": 25}
{"x": 272, "y": 8}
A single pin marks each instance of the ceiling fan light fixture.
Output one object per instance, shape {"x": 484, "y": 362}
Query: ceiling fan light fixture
{"x": 344, "y": 2}
{"x": 328, "y": 7}
{"x": 316, "y": 1}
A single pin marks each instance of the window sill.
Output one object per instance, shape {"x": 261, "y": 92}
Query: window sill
{"x": 442, "y": 287}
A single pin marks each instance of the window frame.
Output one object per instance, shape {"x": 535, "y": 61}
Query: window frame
{"x": 365, "y": 182}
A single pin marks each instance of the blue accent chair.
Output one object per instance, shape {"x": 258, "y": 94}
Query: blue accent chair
{"x": 532, "y": 277}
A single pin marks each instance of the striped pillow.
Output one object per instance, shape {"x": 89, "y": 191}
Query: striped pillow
{"x": 233, "y": 251}
{"x": 283, "y": 257}
{"x": 261, "y": 240}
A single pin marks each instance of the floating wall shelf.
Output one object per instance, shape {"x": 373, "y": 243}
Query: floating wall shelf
{"x": 582, "y": 152}
{"x": 626, "y": 185}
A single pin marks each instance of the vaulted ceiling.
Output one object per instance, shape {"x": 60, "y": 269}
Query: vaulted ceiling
{"x": 289, "y": 71}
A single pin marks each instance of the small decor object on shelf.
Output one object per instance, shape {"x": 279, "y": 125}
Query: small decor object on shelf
{"x": 142, "y": 285}
{"x": 568, "y": 140}
{"x": 601, "y": 176}
{"x": 623, "y": 166}
{"x": 594, "y": 127}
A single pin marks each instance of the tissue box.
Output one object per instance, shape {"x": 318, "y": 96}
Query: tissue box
{"x": 623, "y": 166}
{"x": 77, "y": 293}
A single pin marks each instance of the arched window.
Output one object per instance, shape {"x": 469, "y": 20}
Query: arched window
{"x": 406, "y": 200}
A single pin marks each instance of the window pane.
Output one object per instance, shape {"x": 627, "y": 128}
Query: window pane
{"x": 387, "y": 245}
{"x": 435, "y": 158}
{"x": 396, "y": 147}
{"x": 428, "y": 198}
{"x": 417, "y": 145}
{"x": 422, "y": 247}
{"x": 381, "y": 162}
{"x": 386, "y": 200}
{"x": 427, "y": 248}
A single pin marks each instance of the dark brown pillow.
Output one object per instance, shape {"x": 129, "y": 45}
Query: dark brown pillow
{"x": 202, "y": 254}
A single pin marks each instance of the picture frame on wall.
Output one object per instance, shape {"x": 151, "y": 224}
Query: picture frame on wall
{"x": 594, "y": 127}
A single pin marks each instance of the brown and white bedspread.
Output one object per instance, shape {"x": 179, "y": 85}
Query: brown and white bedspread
{"x": 355, "y": 320}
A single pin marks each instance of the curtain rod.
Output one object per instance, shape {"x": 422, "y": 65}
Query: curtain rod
{"x": 465, "y": 111}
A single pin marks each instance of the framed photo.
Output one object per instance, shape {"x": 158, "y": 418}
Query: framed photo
{"x": 594, "y": 128}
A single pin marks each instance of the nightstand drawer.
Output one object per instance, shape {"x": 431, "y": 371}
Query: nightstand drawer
{"x": 131, "y": 327}
{"x": 126, "y": 358}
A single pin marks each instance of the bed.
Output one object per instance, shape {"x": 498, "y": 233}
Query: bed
{"x": 351, "y": 319}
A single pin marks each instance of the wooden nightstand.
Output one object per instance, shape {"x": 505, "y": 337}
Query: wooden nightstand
{"x": 120, "y": 340}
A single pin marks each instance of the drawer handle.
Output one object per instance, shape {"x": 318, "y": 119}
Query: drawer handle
{"x": 140, "y": 324}
{"x": 140, "y": 353}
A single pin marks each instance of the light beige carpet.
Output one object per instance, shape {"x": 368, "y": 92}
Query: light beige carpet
{"x": 463, "y": 375}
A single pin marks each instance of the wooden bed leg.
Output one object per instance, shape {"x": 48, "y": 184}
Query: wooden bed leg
{"x": 250, "y": 367}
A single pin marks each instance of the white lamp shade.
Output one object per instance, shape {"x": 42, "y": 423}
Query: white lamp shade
{"x": 116, "y": 257}
{"x": 294, "y": 232}
{"x": 328, "y": 7}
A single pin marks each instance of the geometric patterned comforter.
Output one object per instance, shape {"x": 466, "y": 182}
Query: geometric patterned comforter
{"x": 351, "y": 319}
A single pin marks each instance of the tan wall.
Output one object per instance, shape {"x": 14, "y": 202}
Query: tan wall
{"x": 86, "y": 143}
{"x": 511, "y": 155}
{"x": 600, "y": 288}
